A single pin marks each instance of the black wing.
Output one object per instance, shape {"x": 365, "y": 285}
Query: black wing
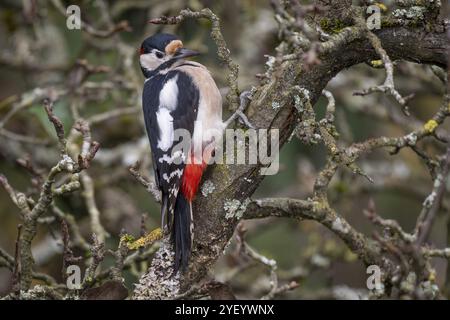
{"x": 167, "y": 173}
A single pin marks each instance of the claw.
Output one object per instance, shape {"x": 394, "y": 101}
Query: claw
{"x": 245, "y": 99}
{"x": 244, "y": 119}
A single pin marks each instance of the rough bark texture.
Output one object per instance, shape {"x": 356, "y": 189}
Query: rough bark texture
{"x": 345, "y": 49}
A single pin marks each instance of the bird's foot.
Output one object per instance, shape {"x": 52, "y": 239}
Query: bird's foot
{"x": 245, "y": 98}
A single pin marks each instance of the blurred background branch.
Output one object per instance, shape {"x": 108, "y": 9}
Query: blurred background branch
{"x": 312, "y": 69}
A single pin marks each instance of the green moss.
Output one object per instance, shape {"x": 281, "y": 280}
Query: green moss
{"x": 223, "y": 169}
{"x": 127, "y": 238}
{"x": 388, "y": 23}
{"x": 320, "y": 206}
{"x": 332, "y": 26}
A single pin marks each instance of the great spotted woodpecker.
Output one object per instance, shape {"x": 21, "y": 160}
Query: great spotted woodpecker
{"x": 178, "y": 94}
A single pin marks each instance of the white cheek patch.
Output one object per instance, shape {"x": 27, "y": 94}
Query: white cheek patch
{"x": 165, "y": 125}
{"x": 168, "y": 97}
{"x": 149, "y": 61}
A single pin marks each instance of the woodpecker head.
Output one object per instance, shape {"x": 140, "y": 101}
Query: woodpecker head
{"x": 162, "y": 49}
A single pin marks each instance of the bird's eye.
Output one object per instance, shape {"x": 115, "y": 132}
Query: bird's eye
{"x": 159, "y": 55}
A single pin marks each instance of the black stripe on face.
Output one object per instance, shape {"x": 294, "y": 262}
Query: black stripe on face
{"x": 188, "y": 64}
{"x": 164, "y": 66}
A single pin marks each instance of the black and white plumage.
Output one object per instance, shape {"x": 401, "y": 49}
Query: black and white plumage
{"x": 178, "y": 94}
{"x": 164, "y": 113}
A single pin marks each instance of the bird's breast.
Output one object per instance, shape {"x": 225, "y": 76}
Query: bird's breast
{"x": 209, "y": 122}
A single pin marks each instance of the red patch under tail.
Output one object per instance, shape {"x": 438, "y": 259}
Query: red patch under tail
{"x": 191, "y": 179}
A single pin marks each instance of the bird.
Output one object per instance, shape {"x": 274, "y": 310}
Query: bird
{"x": 178, "y": 94}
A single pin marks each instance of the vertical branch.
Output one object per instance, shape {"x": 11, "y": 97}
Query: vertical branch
{"x": 68, "y": 257}
{"x": 433, "y": 202}
{"x": 89, "y": 197}
{"x": 98, "y": 254}
{"x": 17, "y": 264}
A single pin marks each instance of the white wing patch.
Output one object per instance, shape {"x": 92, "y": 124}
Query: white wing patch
{"x": 177, "y": 172}
{"x": 176, "y": 155}
{"x": 168, "y": 97}
{"x": 165, "y": 124}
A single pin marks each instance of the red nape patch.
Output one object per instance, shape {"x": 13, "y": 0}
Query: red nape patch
{"x": 191, "y": 179}
{"x": 141, "y": 50}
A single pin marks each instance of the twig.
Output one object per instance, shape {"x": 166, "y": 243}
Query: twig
{"x": 89, "y": 148}
{"x": 150, "y": 186}
{"x": 438, "y": 253}
{"x": 73, "y": 226}
{"x": 244, "y": 248}
{"x": 120, "y": 254}
{"x": 388, "y": 85}
{"x": 27, "y": 99}
{"x": 94, "y": 214}
{"x": 7, "y": 260}
{"x": 98, "y": 118}
{"x": 331, "y": 106}
{"x": 59, "y": 127}
{"x": 68, "y": 257}
{"x": 145, "y": 240}
{"x": 23, "y": 138}
{"x": 17, "y": 272}
{"x": 97, "y": 253}
{"x": 392, "y": 225}
{"x": 433, "y": 202}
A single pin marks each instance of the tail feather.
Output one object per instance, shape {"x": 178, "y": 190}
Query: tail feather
{"x": 183, "y": 226}
{"x": 182, "y": 232}
{"x": 164, "y": 211}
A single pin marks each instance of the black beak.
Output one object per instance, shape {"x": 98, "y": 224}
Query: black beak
{"x": 185, "y": 53}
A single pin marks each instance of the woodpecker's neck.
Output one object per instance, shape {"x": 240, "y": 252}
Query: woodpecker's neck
{"x": 162, "y": 68}
{"x": 147, "y": 72}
